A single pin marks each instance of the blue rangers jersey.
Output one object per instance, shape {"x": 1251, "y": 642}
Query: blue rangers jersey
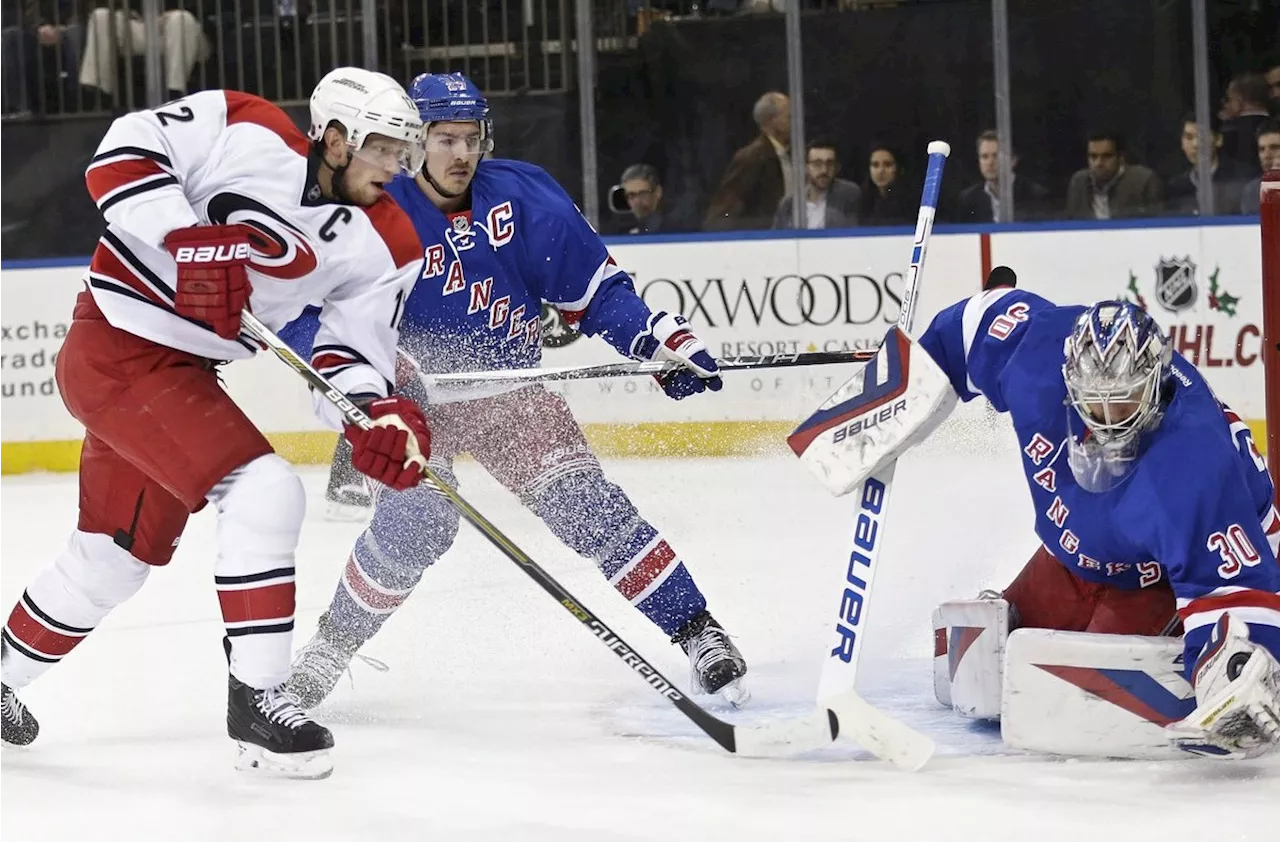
{"x": 1197, "y": 507}
{"x": 477, "y": 303}
{"x": 486, "y": 271}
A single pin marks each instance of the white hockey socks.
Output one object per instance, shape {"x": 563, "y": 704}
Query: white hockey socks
{"x": 260, "y": 510}
{"x": 65, "y": 602}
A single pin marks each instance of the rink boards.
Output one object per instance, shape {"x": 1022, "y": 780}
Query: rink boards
{"x": 746, "y": 294}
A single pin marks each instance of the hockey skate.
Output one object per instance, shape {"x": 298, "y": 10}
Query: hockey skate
{"x": 275, "y": 735}
{"x": 20, "y": 727}
{"x": 347, "y": 497}
{"x": 715, "y": 664}
{"x": 316, "y": 670}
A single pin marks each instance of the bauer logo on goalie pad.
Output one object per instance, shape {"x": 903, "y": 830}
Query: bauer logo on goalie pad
{"x": 872, "y": 396}
{"x": 888, "y": 405}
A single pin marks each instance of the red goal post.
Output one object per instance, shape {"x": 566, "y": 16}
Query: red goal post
{"x": 1270, "y": 207}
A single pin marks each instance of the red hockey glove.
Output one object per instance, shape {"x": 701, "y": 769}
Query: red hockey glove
{"x": 395, "y": 451}
{"x": 212, "y": 285}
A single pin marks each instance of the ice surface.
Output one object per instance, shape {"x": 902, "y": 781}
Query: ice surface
{"x": 500, "y": 719}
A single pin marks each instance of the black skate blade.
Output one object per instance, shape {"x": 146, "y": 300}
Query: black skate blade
{"x": 304, "y": 765}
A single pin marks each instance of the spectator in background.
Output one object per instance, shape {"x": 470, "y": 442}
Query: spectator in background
{"x": 111, "y": 29}
{"x": 829, "y": 202}
{"x": 640, "y": 194}
{"x": 981, "y": 202}
{"x": 1244, "y": 108}
{"x": 1110, "y": 187}
{"x": 1269, "y": 157}
{"x": 887, "y": 198}
{"x": 1227, "y": 176}
{"x": 759, "y": 176}
{"x": 31, "y": 28}
{"x": 1273, "y": 88}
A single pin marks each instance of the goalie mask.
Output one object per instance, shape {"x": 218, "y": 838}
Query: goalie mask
{"x": 1117, "y": 361}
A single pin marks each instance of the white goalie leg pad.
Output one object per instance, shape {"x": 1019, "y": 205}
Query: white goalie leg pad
{"x": 1093, "y": 695}
{"x": 1237, "y": 712}
{"x": 892, "y": 403}
{"x": 968, "y": 655}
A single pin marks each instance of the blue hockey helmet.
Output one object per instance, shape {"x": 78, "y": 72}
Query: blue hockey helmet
{"x": 443, "y": 97}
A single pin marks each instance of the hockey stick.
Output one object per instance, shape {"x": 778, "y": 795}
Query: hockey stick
{"x": 857, "y": 574}
{"x": 634, "y": 367}
{"x": 873, "y": 730}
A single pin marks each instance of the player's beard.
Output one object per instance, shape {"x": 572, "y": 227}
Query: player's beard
{"x": 340, "y": 187}
{"x": 338, "y": 180}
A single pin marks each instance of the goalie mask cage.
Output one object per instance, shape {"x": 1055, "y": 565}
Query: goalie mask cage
{"x": 1270, "y": 207}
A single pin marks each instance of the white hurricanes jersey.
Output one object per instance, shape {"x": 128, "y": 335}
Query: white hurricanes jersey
{"x": 222, "y": 157}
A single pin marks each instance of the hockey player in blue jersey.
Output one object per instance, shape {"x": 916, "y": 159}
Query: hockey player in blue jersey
{"x": 500, "y": 238}
{"x": 1151, "y": 501}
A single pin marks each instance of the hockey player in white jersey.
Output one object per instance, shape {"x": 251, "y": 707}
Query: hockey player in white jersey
{"x": 500, "y": 238}
{"x": 217, "y": 203}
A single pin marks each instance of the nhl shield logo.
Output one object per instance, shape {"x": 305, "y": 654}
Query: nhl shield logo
{"x": 1176, "y": 284}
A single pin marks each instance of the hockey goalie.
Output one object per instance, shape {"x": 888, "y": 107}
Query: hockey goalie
{"x": 1148, "y": 622}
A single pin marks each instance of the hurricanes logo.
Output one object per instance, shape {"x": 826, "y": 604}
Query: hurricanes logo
{"x": 280, "y": 249}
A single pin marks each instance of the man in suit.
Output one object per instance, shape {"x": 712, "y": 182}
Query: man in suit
{"x": 830, "y": 202}
{"x": 981, "y": 202}
{"x": 759, "y": 175}
{"x": 1244, "y": 108}
{"x": 1110, "y": 187}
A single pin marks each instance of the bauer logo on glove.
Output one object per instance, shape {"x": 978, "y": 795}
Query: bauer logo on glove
{"x": 212, "y": 254}
{"x": 668, "y": 337}
{"x": 212, "y": 286}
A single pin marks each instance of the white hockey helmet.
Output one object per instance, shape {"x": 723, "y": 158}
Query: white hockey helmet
{"x": 366, "y": 103}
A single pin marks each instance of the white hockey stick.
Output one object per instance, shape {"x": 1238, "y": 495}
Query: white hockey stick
{"x": 857, "y": 574}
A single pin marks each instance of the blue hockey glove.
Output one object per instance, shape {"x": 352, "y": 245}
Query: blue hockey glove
{"x": 668, "y": 337}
